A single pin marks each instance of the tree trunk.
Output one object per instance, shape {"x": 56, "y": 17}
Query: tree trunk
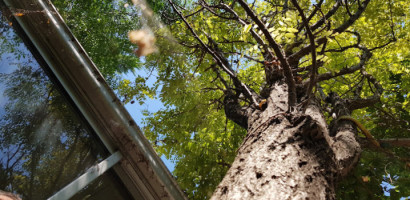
{"x": 290, "y": 155}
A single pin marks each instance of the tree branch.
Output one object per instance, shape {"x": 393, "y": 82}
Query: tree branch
{"x": 387, "y": 43}
{"x": 278, "y": 51}
{"x": 347, "y": 8}
{"x": 221, "y": 61}
{"x": 268, "y": 54}
{"x": 350, "y": 46}
{"x": 354, "y": 104}
{"x": 397, "y": 142}
{"x": 206, "y": 6}
{"x": 353, "y": 18}
{"x": 306, "y": 50}
{"x": 317, "y": 7}
{"x": 234, "y": 111}
{"x": 327, "y": 16}
{"x": 312, "y": 48}
{"x": 363, "y": 59}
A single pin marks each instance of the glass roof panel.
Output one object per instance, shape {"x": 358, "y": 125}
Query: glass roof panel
{"x": 44, "y": 142}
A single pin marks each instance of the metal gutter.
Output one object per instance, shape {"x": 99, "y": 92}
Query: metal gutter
{"x": 140, "y": 167}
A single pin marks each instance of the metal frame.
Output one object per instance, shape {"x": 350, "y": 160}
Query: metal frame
{"x": 92, "y": 173}
{"x": 141, "y": 170}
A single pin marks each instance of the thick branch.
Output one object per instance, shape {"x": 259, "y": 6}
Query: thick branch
{"x": 397, "y": 142}
{"x": 344, "y": 135}
{"x": 234, "y": 111}
{"x": 353, "y": 18}
{"x": 306, "y": 50}
{"x": 278, "y": 51}
{"x": 354, "y": 104}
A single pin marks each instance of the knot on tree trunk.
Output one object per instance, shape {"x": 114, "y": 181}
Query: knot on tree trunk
{"x": 307, "y": 125}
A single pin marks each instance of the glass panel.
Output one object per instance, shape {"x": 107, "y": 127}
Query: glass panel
{"x": 43, "y": 143}
{"x": 106, "y": 186}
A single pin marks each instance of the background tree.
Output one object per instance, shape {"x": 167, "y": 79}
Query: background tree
{"x": 39, "y": 136}
{"x": 284, "y": 71}
{"x": 93, "y": 22}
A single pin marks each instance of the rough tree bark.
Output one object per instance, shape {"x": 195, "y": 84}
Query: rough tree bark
{"x": 290, "y": 155}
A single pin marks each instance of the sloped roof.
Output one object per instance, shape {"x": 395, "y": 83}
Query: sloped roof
{"x": 141, "y": 170}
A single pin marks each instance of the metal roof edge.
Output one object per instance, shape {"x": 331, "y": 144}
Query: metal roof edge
{"x": 94, "y": 98}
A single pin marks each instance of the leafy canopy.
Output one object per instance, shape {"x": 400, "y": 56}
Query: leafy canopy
{"x": 192, "y": 128}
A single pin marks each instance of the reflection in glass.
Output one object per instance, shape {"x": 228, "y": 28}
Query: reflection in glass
{"x": 102, "y": 188}
{"x": 43, "y": 144}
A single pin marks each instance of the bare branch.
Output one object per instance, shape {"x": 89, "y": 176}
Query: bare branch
{"x": 201, "y": 58}
{"x": 206, "y": 6}
{"x": 247, "y": 57}
{"x": 370, "y": 78}
{"x": 393, "y": 119}
{"x": 302, "y": 69}
{"x": 218, "y": 75}
{"x": 189, "y": 15}
{"x": 267, "y": 54}
{"x": 354, "y": 104}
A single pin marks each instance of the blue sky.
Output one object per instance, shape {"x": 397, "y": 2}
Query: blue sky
{"x": 152, "y": 105}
